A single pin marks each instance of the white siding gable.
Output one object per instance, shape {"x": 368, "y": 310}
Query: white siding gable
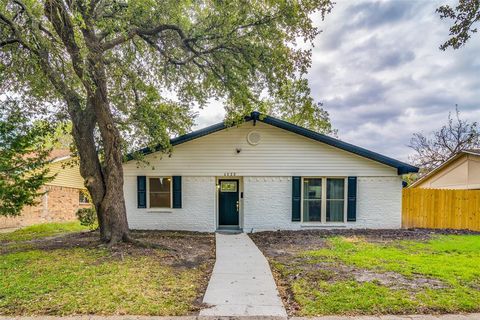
{"x": 279, "y": 153}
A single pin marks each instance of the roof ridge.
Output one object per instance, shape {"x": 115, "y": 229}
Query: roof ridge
{"x": 401, "y": 167}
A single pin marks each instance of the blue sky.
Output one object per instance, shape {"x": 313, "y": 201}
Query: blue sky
{"x": 378, "y": 70}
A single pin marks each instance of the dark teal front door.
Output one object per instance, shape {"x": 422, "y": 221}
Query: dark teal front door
{"x": 228, "y": 203}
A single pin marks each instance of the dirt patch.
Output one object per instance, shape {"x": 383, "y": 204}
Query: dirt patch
{"x": 303, "y": 267}
{"x": 278, "y": 243}
{"x": 397, "y": 281}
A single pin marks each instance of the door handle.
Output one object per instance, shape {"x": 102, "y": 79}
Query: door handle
{"x": 238, "y": 207}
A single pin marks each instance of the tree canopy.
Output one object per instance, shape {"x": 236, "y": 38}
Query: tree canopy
{"x": 23, "y": 159}
{"x": 465, "y": 16}
{"x": 135, "y": 68}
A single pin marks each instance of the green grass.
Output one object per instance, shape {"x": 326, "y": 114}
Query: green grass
{"x": 349, "y": 297}
{"x": 91, "y": 281}
{"x": 42, "y": 231}
{"x": 454, "y": 260}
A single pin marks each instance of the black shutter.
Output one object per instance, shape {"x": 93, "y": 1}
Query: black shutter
{"x": 296, "y": 190}
{"x": 177, "y": 192}
{"x": 141, "y": 192}
{"x": 352, "y": 199}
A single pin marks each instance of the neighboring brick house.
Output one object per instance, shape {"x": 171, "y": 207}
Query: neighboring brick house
{"x": 265, "y": 174}
{"x": 64, "y": 195}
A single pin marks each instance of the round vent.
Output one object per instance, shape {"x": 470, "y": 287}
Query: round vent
{"x": 254, "y": 138}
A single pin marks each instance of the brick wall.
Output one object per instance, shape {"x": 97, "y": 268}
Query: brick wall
{"x": 268, "y": 204}
{"x": 197, "y": 212}
{"x": 379, "y": 202}
{"x": 57, "y": 205}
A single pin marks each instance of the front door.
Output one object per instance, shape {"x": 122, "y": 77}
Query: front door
{"x": 228, "y": 203}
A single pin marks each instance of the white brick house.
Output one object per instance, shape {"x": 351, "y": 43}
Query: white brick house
{"x": 265, "y": 174}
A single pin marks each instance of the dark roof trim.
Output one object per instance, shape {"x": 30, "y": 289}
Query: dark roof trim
{"x": 256, "y": 116}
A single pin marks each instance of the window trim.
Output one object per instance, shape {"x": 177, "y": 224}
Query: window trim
{"x": 148, "y": 192}
{"x": 323, "y": 213}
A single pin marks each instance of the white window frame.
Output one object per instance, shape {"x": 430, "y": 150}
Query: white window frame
{"x": 323, "y": 213}
{"x": 148, "y": 191}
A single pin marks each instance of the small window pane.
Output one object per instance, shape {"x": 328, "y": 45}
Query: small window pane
{"x": 159, "y": 200}
{"x": 335, "y": 200}
{"x": 228, "y": 186}
{"x": 159, "y": 184}
{"x": 159, "y": 192}
{"x": 82, "y": 197}
{"x": 335, "y": 210}
{"x": 335, "y": 188}
{"x": 312, "y": 199}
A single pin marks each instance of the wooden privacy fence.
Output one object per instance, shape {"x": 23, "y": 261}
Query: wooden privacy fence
{"x": 441, "y": 209}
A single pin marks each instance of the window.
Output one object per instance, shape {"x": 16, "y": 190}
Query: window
{"x": 323, "y": 200}
{"x": 160, "y": 192}
{"x": 228, "y": 186}
{"x": 83, "y": 197}
{"x": 312, "y": 199}
{"x": 335, "y": 200}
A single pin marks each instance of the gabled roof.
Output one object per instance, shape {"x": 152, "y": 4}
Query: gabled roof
{"x": 256, "y": 116}
{"x": 475, "y": 152}
{"x": 59, "y": 155}
{"x": 55, "y": 155}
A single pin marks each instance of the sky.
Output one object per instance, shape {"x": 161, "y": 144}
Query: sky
{"x": 378, "y": 70}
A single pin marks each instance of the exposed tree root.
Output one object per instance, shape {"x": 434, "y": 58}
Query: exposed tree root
{"x": 146, "y": 244}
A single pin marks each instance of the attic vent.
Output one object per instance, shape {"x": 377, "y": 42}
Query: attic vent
{"x": 254, "y": 138}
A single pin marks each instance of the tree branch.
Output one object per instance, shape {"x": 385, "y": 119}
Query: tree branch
{"x": 57, "y": 14}
{"x": 144, "y": 32}
{"x": 9, "y": 41}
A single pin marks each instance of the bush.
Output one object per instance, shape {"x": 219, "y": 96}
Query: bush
{"x": 88, "y": 217}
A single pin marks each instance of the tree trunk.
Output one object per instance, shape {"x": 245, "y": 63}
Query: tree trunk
{"x": 113, "y": 203}
{"x": 112, "y": 206}
{"x": 84, "y": 123}
{"x": 104, "y": 179}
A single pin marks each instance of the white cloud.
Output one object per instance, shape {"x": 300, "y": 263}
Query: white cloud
{"x": 378, "y": 69}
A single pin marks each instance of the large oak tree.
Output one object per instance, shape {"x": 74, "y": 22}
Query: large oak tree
{"x": 118, "y": 68}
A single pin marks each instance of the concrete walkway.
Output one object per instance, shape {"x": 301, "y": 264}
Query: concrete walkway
{"x": 241, "y": 283}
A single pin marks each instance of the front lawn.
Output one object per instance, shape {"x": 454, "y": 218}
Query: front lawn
{"x": 384, "y": 272}
{"x": 75, "y": 274}
{"x": 42, "y": 231}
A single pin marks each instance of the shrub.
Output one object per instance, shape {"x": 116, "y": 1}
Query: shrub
{"x": 88, "y": 217}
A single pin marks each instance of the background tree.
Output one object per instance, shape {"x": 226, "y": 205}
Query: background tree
{"x": 298, "y": 107}
{"x": 61, "y": 136}
{"x": 465, "y": 16}
{"x": 23, "y": 159}
{"x": 134, "y": 68}
{"x": 455, "y": 136}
